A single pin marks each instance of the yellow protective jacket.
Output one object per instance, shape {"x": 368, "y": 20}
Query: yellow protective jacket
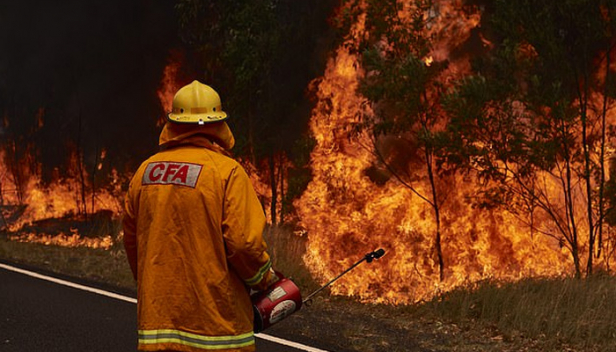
{"x": 193, "y": 236}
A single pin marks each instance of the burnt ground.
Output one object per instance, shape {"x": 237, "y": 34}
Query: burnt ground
{"x": 342, "y": 325}
{"x": 90, "y": 225}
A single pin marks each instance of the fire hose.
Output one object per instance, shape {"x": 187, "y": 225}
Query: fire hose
{"x": 284, "y": 298}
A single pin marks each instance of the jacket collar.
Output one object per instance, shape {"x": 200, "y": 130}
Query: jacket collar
{"x": 215, "y": 136}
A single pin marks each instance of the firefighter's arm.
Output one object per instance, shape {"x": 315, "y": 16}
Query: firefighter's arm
{"x": 243, "y": 225}
{"x": 129, "y": 225}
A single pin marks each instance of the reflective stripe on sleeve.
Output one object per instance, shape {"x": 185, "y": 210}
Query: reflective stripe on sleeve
{"x": 148, "y": 337}
{"x": 259, "y": 275}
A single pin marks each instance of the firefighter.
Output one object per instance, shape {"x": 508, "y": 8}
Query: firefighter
{"x": 193, "y": 234}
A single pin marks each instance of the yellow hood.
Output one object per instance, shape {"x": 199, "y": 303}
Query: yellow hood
{"x": 217, "y": 132}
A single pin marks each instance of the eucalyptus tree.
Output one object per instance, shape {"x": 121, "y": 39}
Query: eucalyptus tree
{"x": 534, "y": 119}
{"x": 402, "y": 89}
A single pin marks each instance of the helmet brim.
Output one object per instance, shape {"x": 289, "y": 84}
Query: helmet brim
{"x": 198, "y": 119}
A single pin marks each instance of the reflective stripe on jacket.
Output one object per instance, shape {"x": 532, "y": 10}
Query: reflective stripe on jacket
{"x": 157, "y": 337}
{"x": 193, "y": 236}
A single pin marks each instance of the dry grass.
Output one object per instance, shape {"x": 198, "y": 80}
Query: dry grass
{"x": 570, "y": 311}
{"x": 109, "y": 267}
{"x": 287, "y": 250}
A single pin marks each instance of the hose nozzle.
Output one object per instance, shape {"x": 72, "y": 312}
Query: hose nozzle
{"x": 374, "y": 255}
{"x": 368, "y": 258}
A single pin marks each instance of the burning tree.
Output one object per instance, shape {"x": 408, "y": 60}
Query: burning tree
{"x": 534, "y": 119}
{"x": 404, "y": 84}
{"x": 524, "y": 136}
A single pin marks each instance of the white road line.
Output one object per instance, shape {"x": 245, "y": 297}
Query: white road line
{"x": 278, "y": 340}
{"x": 275, "y": 339}
{"x": 68, "y": 283}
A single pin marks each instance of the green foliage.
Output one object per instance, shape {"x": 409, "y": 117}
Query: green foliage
{"x": 236, "y": 39}
{"x": 483, "y": 129}
{"x": 397, "y": 78}
{"x": 399, "y": 85}
{"x": 300, "y": 174}
{"x": 564, "y": 36}
{"x": 398, "y": 82}
{"x": 261, "y": 56}
{"x": 524, "y": 104}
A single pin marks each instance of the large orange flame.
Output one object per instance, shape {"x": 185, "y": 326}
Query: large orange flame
{"x": 346, "y": 214}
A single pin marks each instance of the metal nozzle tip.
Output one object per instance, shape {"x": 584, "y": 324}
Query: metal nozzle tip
{"x": 379, "y": 253}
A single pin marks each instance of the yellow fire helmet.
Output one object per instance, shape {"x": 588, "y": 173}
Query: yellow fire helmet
{"x": 196, "y": 103}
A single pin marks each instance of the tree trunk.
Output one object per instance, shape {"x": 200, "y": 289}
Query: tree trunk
{"x": 587, "y": 177}
{"x": 83, "y": 207}
{"x": 437, "y": 216}
{"x": 4, "y": 224}
{"x": 281, "y": 182}
{"x": 273, "y": 185}
{"x": 94, "y": 169}
{"x": 569, "y": 204}
{"x": 16, "y": 172}
{"x": 602, "y": 160}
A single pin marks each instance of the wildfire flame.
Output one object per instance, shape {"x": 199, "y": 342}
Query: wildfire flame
{"x": 346, "y": 214}
{"x": 344, "y": 211}
{"x": 169, "y": 84}
{"x": 60, "y": 200}
{"x": 73, "y": 240}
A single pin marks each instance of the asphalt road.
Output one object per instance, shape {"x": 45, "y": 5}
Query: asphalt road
{"x": 39, "y": 315}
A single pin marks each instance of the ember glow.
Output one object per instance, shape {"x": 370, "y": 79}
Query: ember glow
{"x": 346, "y": 214}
